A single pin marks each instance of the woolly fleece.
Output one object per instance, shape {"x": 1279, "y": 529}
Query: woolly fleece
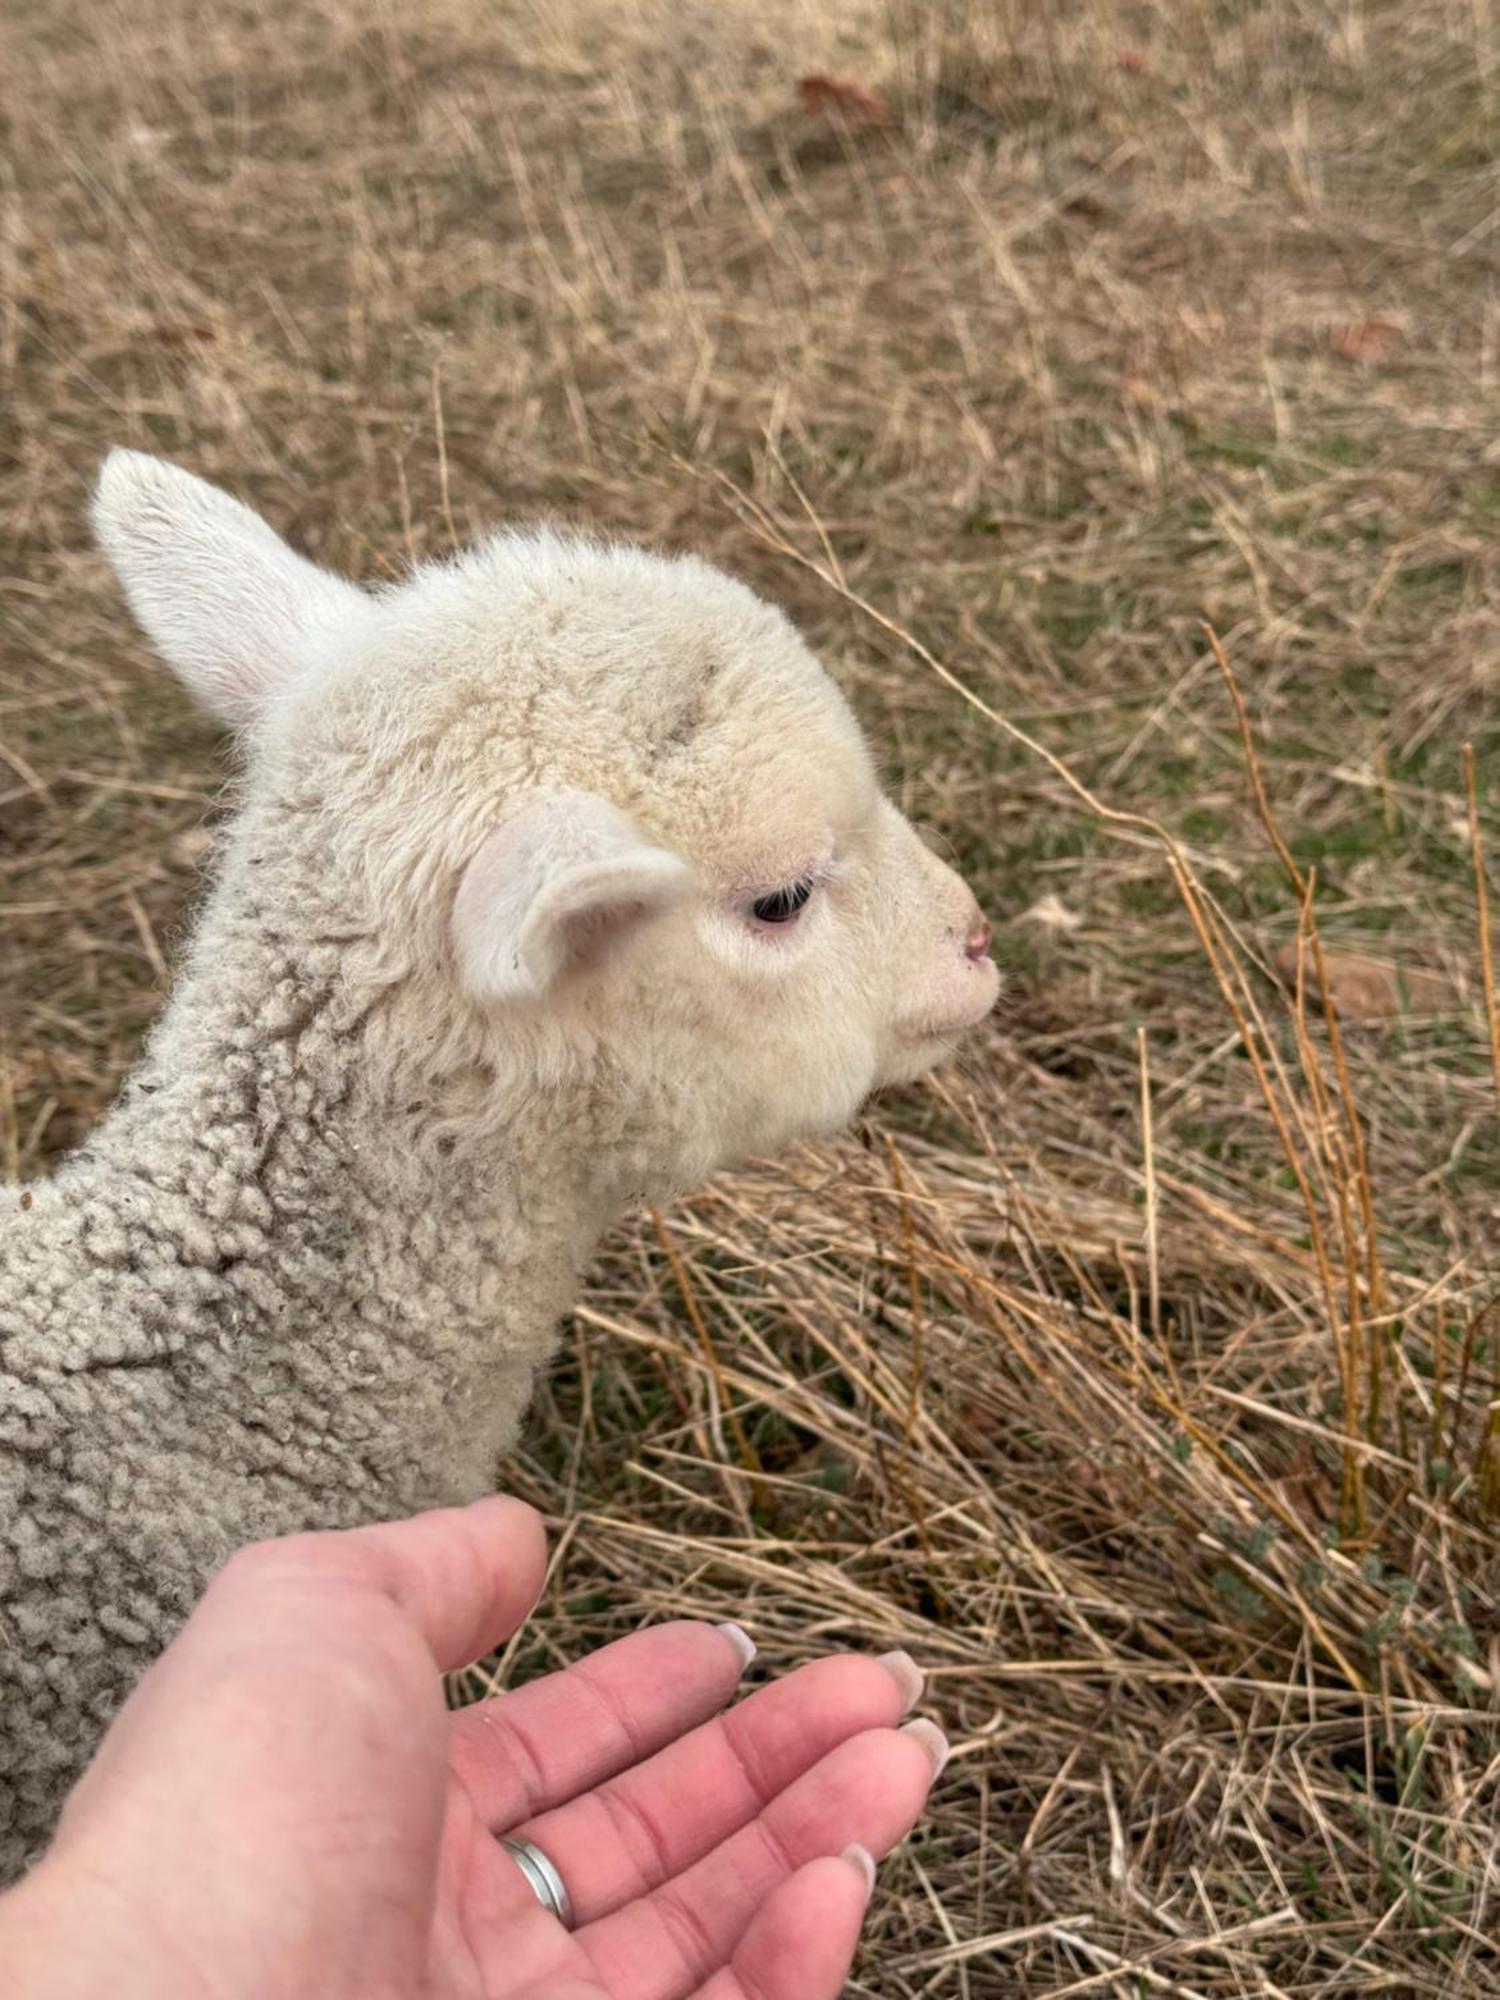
{"x": 481, "y": 965}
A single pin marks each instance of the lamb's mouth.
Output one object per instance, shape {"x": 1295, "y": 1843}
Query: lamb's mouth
{"x": 912, "y": 1035}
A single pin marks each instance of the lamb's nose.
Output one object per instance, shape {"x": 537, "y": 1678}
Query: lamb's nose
{"x": 977, "y": 943}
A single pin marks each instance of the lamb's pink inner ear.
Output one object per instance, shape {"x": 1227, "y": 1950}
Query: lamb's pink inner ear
{"x": 558, "y": 885}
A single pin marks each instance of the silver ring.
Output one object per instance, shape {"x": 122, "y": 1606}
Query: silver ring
{"x": 546, "y": 1884}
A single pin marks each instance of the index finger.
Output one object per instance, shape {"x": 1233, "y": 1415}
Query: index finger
{"x": 533, "y": 1747}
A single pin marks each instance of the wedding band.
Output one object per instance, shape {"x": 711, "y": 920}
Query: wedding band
{"x": 546, "y": 1884}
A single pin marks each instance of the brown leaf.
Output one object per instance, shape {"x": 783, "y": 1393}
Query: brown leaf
{"x": 183, "y": 334}
{"x": 979, "y": 1420}
{"x": 1370, "y": 989}
{"x": 1365, "y": 339}
{"x": 1308, "y": 1490}
{"x": 845, "y": 102}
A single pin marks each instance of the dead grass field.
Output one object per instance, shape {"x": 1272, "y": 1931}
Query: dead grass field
{"x": 1140, "y": 1373}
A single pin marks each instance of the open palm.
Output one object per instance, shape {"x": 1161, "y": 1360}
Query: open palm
{"x": 285, "y": 1806}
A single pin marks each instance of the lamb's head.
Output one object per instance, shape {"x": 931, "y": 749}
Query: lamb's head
{"x": 593, "y": 808}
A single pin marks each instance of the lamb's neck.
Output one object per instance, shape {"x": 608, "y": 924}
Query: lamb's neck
{"x": 318, "y": 1211}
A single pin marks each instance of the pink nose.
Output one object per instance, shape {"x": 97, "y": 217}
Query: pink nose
{"x": 977, "y": 943}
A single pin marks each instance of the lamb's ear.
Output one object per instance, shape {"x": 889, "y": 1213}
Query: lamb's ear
{"x": 557, "y": 885}
{"x": 229, "y": 606}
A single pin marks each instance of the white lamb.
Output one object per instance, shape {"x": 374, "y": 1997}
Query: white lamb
{"x": 560, "y": 877}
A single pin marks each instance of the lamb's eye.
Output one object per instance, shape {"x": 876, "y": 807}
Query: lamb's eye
{"x": 782, "y": 904}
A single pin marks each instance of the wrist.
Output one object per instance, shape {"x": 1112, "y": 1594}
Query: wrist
{"x": 31, "y": 1942}
{"x": 57, "y": 1942}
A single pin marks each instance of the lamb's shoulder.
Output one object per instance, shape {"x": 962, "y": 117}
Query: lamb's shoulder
{"x": 276, "y": 1375}
{"x": 147, "y": 1428}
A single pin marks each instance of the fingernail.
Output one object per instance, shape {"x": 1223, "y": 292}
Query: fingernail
{"x": 741, "y": 1641}
{"x": 908, "y": 1676}
{"x": 934, "y": 1743}
{"x": 862, "y": 1861}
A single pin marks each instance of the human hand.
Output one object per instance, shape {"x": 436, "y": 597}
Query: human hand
{"x": 284, "y": 1807}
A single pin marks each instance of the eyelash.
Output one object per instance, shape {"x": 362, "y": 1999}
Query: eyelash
{"x": 782, "y": 906}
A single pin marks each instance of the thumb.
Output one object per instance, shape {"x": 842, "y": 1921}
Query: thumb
{"x": 463, "y": 1577}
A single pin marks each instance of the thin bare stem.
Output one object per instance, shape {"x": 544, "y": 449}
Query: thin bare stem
{"x": 748, "y": 1455}
{"x": 1482, "y": 902}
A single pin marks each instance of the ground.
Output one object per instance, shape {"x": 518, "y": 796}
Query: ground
{"x": 1138, "y": 1373}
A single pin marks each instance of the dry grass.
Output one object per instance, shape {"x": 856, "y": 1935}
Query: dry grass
{"x": 1140, "y": 1375}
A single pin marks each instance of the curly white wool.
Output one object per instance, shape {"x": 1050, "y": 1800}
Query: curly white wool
{"x": 480, "y": 966}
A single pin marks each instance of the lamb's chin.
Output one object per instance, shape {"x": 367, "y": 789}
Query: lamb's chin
{"x": 912, "y": 1059}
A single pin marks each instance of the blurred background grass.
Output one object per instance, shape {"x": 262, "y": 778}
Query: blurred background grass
{"x": 1138, "y": 1373}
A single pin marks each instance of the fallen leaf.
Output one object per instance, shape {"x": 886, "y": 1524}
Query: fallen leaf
{"x": 1370, "y": 989}
{"x": 844, "y": 101}
{"x": 1365, "y": 339}
{"x": 1307, "y": 1489}
{"x": 978, "y": 1420}
{"x": 188, "y": 333}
